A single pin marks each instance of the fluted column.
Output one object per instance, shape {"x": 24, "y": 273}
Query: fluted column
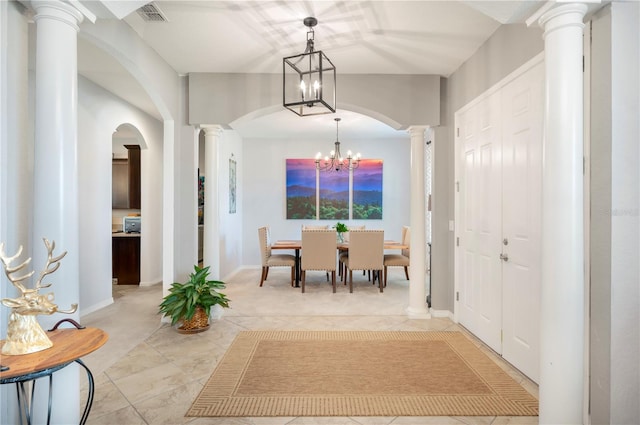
{"x": 562, "y": 298}
{"x": 417, "y": 277}
{"x": 55, "y": 203}
{"x": 211, "y": 243}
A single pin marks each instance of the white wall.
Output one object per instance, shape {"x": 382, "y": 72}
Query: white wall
{"x": 399, "y": 101}
{"x": 99, "y": 114}
{"x": 625, "y": 212}
{"x": 264, "y": 186}
{"x": 231, "y": 230}
{"x": 615, "y": 215}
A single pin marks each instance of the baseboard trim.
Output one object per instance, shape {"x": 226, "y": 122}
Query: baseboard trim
{"x": 441, "y": 313}
{"x": 96, "y": 307}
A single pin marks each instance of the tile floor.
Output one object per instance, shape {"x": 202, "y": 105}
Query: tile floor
{"x": 147, "y": 373}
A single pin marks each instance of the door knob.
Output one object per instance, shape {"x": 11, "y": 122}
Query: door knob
{"x": 505, "y": 241}
{"x": 504, "y": 257}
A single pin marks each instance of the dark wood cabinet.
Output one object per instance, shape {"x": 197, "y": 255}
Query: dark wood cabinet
{"x": 126, "y": 180}
{"x": 126, "y": 259}
{"x": 134, "y": 176}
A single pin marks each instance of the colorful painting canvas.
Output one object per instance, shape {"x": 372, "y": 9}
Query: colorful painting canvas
{"x": 334, "y": 196}
{"x": 301, "y": 189}
{"x": 367, "y": 190}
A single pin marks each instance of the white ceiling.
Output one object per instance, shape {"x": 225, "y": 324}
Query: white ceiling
{"x": 368, "y": 37}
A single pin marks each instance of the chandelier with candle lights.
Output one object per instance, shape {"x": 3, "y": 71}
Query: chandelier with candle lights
{"x": 309, "y": 79}
{"x": 334, "y": 161}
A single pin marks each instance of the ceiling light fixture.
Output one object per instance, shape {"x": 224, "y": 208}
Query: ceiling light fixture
{"x": 309, "y": 79}
{"x": 335, "y": 161}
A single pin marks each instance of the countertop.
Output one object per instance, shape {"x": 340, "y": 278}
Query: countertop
{"x": 121, "y": 234}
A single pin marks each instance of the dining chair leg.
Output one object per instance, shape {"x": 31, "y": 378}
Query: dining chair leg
{"x": 385, "y": 276}
{"x": 406, "y": 272}
{"x": 303, "y": 276}
{"x": 293, "y": 275}
{"x": 262, "y": 276}
{"x": 350, "y": 281}
{"x": 266, "y": 273}
{"x": 333, "y": 280}
{"x": 379, "y": 272}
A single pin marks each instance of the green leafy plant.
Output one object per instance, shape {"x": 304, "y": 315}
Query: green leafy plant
{"x": 183, "y": 298}
{"x": 341, "y": 227}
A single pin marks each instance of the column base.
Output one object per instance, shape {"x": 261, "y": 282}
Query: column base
{"x": 418, "y": 313}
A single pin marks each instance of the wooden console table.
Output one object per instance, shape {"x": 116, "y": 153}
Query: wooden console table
{"x": 69, "y": 345}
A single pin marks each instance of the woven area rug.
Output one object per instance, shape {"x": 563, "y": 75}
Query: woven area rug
{"x": 343, "y": 373}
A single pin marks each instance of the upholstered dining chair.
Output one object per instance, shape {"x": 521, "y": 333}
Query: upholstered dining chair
{"x": 402, "y": 259}
{"x": 366, "y": 252}
{"x": 273, "y": 260}
{"x": 344, "y": 253}
{"x": 318, "y": 253}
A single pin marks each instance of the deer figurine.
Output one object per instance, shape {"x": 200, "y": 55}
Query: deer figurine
{"x": 24, "y": 334}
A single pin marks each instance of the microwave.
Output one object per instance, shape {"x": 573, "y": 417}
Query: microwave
{"x": 131, "y": 224}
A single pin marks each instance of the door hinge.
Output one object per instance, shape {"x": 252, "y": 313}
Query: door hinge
{"x": 501, "y": 335}
{"x": 458, "y": 132}
{"x": 458, "y": 241}
{"x": 457, "y": 296}
{"x": 457, "y": 186}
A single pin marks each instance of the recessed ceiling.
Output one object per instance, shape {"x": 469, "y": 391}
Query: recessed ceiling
{"x": 362, "y": 37}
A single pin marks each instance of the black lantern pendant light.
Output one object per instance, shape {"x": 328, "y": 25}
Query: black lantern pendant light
{"x": 309, "y": 79}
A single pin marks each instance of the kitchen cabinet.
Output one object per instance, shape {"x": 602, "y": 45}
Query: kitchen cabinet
{"x": 126, "y": 180}
{"x": 125, "y": 261}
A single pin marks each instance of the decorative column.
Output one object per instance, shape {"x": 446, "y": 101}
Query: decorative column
{"x": 562, "y": 313}
{"x": 55, "y": 171}
{"x": 417, "y": 276}
{"x": 211, "y": 234}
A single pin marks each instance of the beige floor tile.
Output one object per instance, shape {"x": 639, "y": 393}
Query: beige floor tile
{"x": 169, "y": 408}
{"x": 107, "y": 397}
{"x": 126, "y": 416}
{"x": 139, "y": 358}
{"x": 426, "y": 420}
{"x": 226, "y": 421}
{"x": 516, "y": 420}
{"x": 152, "y": 382}
{"x": 373, "y": 420}
{"x": 323, "y": 420}
{"x": 476, "y": 420}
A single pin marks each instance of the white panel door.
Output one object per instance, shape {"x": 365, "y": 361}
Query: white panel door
{"x": 498, "y": 217}
{"x": 479, "y": 221}
{"x": 521, "y": 215}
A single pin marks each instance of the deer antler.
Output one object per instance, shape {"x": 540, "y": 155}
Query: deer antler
{"x": 8, "y": 270}
{"x": 50, "y": 260}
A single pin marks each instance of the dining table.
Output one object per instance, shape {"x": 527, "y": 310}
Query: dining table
{"x": 296, "y": 244}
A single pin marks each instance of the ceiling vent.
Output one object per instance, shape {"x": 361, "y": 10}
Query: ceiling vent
{"x": 151, "y": 13}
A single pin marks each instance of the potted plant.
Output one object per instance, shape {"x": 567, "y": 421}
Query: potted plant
{"x": 191, "y": 302}
{"x": 340, "y": 229}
